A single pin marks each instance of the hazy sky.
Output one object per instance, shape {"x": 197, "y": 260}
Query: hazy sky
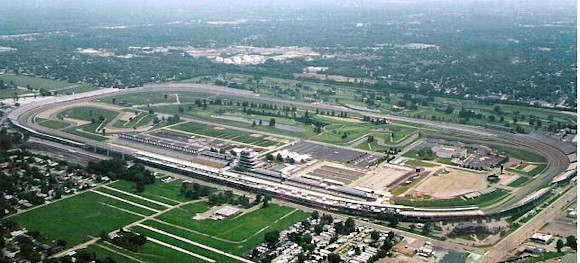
{"x": 28, "y": 15}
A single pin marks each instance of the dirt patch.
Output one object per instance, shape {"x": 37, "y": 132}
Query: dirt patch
{"x": 126, "y": 116}
{"x": 506, "y": 179}
{"x": 452, "y": 184}
{"x": 255, "y": 135}
{"x": 219, "y": 128}
{"x": 529, "y": 168}
{"x": 383, "y": 176}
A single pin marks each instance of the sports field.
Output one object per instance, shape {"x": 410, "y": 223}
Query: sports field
{"x": 166, "y": 217}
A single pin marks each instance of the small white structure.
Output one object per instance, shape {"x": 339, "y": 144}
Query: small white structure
{"x": 541, "y": 238}
{"x": 227, "y": 211}
{"x": 426, "y": 250}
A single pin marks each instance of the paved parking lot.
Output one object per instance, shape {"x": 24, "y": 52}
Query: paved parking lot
{"x": 334, "y": 154}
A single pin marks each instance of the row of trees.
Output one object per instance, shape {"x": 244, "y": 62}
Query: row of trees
{"x": 195, "y": 191}
{"x": 119, "y": 169}
{"x": 127, "y": 240}
{"x": 570, "y": 242}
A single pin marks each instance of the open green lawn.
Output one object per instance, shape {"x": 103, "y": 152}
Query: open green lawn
{"x": 101, "y": 117}
{"x": 150, "y": 252}
{"x": 53, "y": 124}
{"x": 481, "y": 201}
{"x": 415, "y": 163}
{"x": 53, "y": 85}
{"x": 217, "y": 114}
{"x": 372, "y": 146}
{"x": 243, "y": 232}
{"x": 142, "y": 98}
{"x": 138, "y": 119}
{"x": 540, "y": 167}
{"x": 9, "y": 93}
{"x": 34, "y": 82}
{"x": 224, "y": 133}
{"x": 521, "y": 154}
{"x": 116, "y": 254}
{"x": 184, "y": 245}
{"x": 546, "y": 256}
{"x": 88, "y": 113}
{"x": 522, "y": 180}
{"x": 75, "y": 89}
{"x": 76, "y": 218}
{"x": 345, "y": 94}
{"x": 86, "y": 134}
{"x": 158, "y": 97}
{"x": 131, "y": 198}
{"x": 234, "y": 229}
{"x": 161, "y": 192}
{"x": 334, "y": 132}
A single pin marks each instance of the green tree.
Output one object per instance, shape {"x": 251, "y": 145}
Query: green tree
{"x": 571, "y": 242}
{"x": 139, "y": 187}
{"x": 559, "y": 245}
{"x": 426, "y": 153}
{"x": 315, "y": 215}
{"x": 375, "y": 235}
{"x": 427, "y": 228}
{"x": 318, "y": 229}
{"x": 334, "y": 258}
{"x": 279, "y": 158}
{"x": 271, "y": 238}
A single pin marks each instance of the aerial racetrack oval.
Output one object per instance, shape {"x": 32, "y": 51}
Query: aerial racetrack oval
{"x": 557, "y": 161}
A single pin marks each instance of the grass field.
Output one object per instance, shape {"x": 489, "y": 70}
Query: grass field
{"x": 88, "y": 113}
{"x": 86, "y": 134}
{"x": 141, "y": 119}
{"x": 9, "y": 93}
{"x": 236, "y": 229}
{"x": 53, "y": 85}
{"x": 158, "y": 97}
{"x": 162, "y": 192}
{"x": 345, "y": 94}
{"x": 481, "y": 201}
{"x": 77, "y": 218}
{"x": 53, "y": 124}
{"x": 372, "y": 146}
{"x": 150, "y": 252}
{"x": 537, "y": 170}
{"x": 242, "y": 233}
{"x": 521, "y": 181}
{"x": 224, "y": 133}
{"x": 187, "y": 246}
{"x": 522, "y": 155}
{"x": 89, "y": 131}
{"x": 83, "y": 217}
{"x": 131, "y": 198}
{"x": 415, "y": 163}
